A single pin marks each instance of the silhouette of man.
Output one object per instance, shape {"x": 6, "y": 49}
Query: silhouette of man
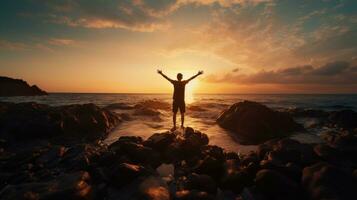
{"x": 179, "y": 95}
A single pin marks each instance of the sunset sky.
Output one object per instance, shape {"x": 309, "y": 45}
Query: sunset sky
{"x": 244, "y": 46}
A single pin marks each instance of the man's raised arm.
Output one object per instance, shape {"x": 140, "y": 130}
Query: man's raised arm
{"x": 162, "y": 74}
{"x": 199, "y": 73}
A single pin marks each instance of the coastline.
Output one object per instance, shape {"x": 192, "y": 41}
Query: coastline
{"x": 178, "y": 165}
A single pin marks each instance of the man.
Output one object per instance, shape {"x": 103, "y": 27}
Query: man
{"x": 179, "y": 95}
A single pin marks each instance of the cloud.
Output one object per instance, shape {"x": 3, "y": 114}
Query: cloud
{"x": 61, "y": 42}
{"x": 136, "y": 15}
{"x": 339, "y": 72}
{"x": 13, "y": 46}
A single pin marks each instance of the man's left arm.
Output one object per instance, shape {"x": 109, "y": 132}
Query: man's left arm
{"x": 193, "y": 77}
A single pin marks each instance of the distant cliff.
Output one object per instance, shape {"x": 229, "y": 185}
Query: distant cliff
{"x": 18, "y": 87}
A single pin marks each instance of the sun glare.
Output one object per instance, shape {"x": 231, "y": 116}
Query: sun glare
{"x": 191, "y": 89}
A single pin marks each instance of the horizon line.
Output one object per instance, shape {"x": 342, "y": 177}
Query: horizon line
{"x": 160, "y": 93}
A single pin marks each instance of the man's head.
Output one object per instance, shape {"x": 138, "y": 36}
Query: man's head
{"x": 179, "y": 76}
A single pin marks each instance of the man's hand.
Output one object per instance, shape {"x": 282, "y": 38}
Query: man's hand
{"x": 200, "y": 72}
{"x": 159, "y": 71}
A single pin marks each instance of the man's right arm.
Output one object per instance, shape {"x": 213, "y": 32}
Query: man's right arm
{"x": 162, "y": 74}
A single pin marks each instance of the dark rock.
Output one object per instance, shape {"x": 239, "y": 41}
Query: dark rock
{"x": 231, "y": 156}
{"x": 198, "y": 182}
{"x": 276, "y": 186}
{"x": 18, "y": 87}
{"x": 210, "y": 166}
{"x": 255, "y": 123}
{"x": 344, "y": 118}
{"x": 195, "y": 138}
{"x": 327, "y": 152}
{"x": 26, "y": 121}
{"x": 124, "y": 173}
{"x": 137, "y": 153}
{"x": 160, "y": 141}
{"x": 68, "y": 186}
{"x": 324, "y": 181}
{"x": 236, "y": 181}
{"x": 193, "y": 195}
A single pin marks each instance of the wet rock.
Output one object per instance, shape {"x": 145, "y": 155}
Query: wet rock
{"x": 124, "y": 173}
{"x": 274, "y": 185}
{"x": 160, "y": 141}
{"x": 154, "y": 188}
{"x": 324, "y": 181}
{"x": 71, "y": 186}
{"x": 210, "y": 166}
{"x": 195, "y": 138}
{"x": 256, "y": 123}
{"x": 231, "y": 156}
{"x": 344, "y": 119}
{"x": 137, "y": 153}
{"x": 193, "y": 195}
{"x": 327, "y": 152}
{"x": 200, "y": 182}
{"x": 236, "y": 181}
{"x": 85, "y": 121}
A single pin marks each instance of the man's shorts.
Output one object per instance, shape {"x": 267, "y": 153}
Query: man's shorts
{"x": 179, "y": 105}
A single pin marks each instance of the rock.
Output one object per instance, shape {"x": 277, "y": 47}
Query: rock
{"x": 119, "y": 106}
{"x": 124, "y": 173}
{"x": 236, "y": 181}
{"x": 324, "y": 181}
{"x": 195, "y": 138}
{"x": 197, "y": 182}
{"x": 344, "y": 119}
{"x": 193, "y": 195}
{"x": 210, "y": 166}
{"x": 136, "y": 153}
{"x": 255, "y": 123}
{"x": 154, "y": 188}
{"x": 276, "y": 186}
{"x": 18, "y": 87}
{"x": 68, "y": 186}
{"x": 160, "y": 141}
{"x": 85, "y": 121}
{"x": 327, "y": 153}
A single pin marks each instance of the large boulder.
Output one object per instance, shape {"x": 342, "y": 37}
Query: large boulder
{"x": 18, "y": 87}
{"x": 255, "y": 123}
{"x": 33, "y": 121}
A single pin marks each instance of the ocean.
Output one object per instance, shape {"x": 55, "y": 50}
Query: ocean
{"x": 202, "y": 113}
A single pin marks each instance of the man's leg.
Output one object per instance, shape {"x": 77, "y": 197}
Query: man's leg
{"x": 174, "y": 119}
{"x": 182, "y": 119}
{"x": 182, "y": 111}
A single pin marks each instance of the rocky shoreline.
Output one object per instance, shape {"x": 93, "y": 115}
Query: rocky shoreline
{"x": 60, "y": 162}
